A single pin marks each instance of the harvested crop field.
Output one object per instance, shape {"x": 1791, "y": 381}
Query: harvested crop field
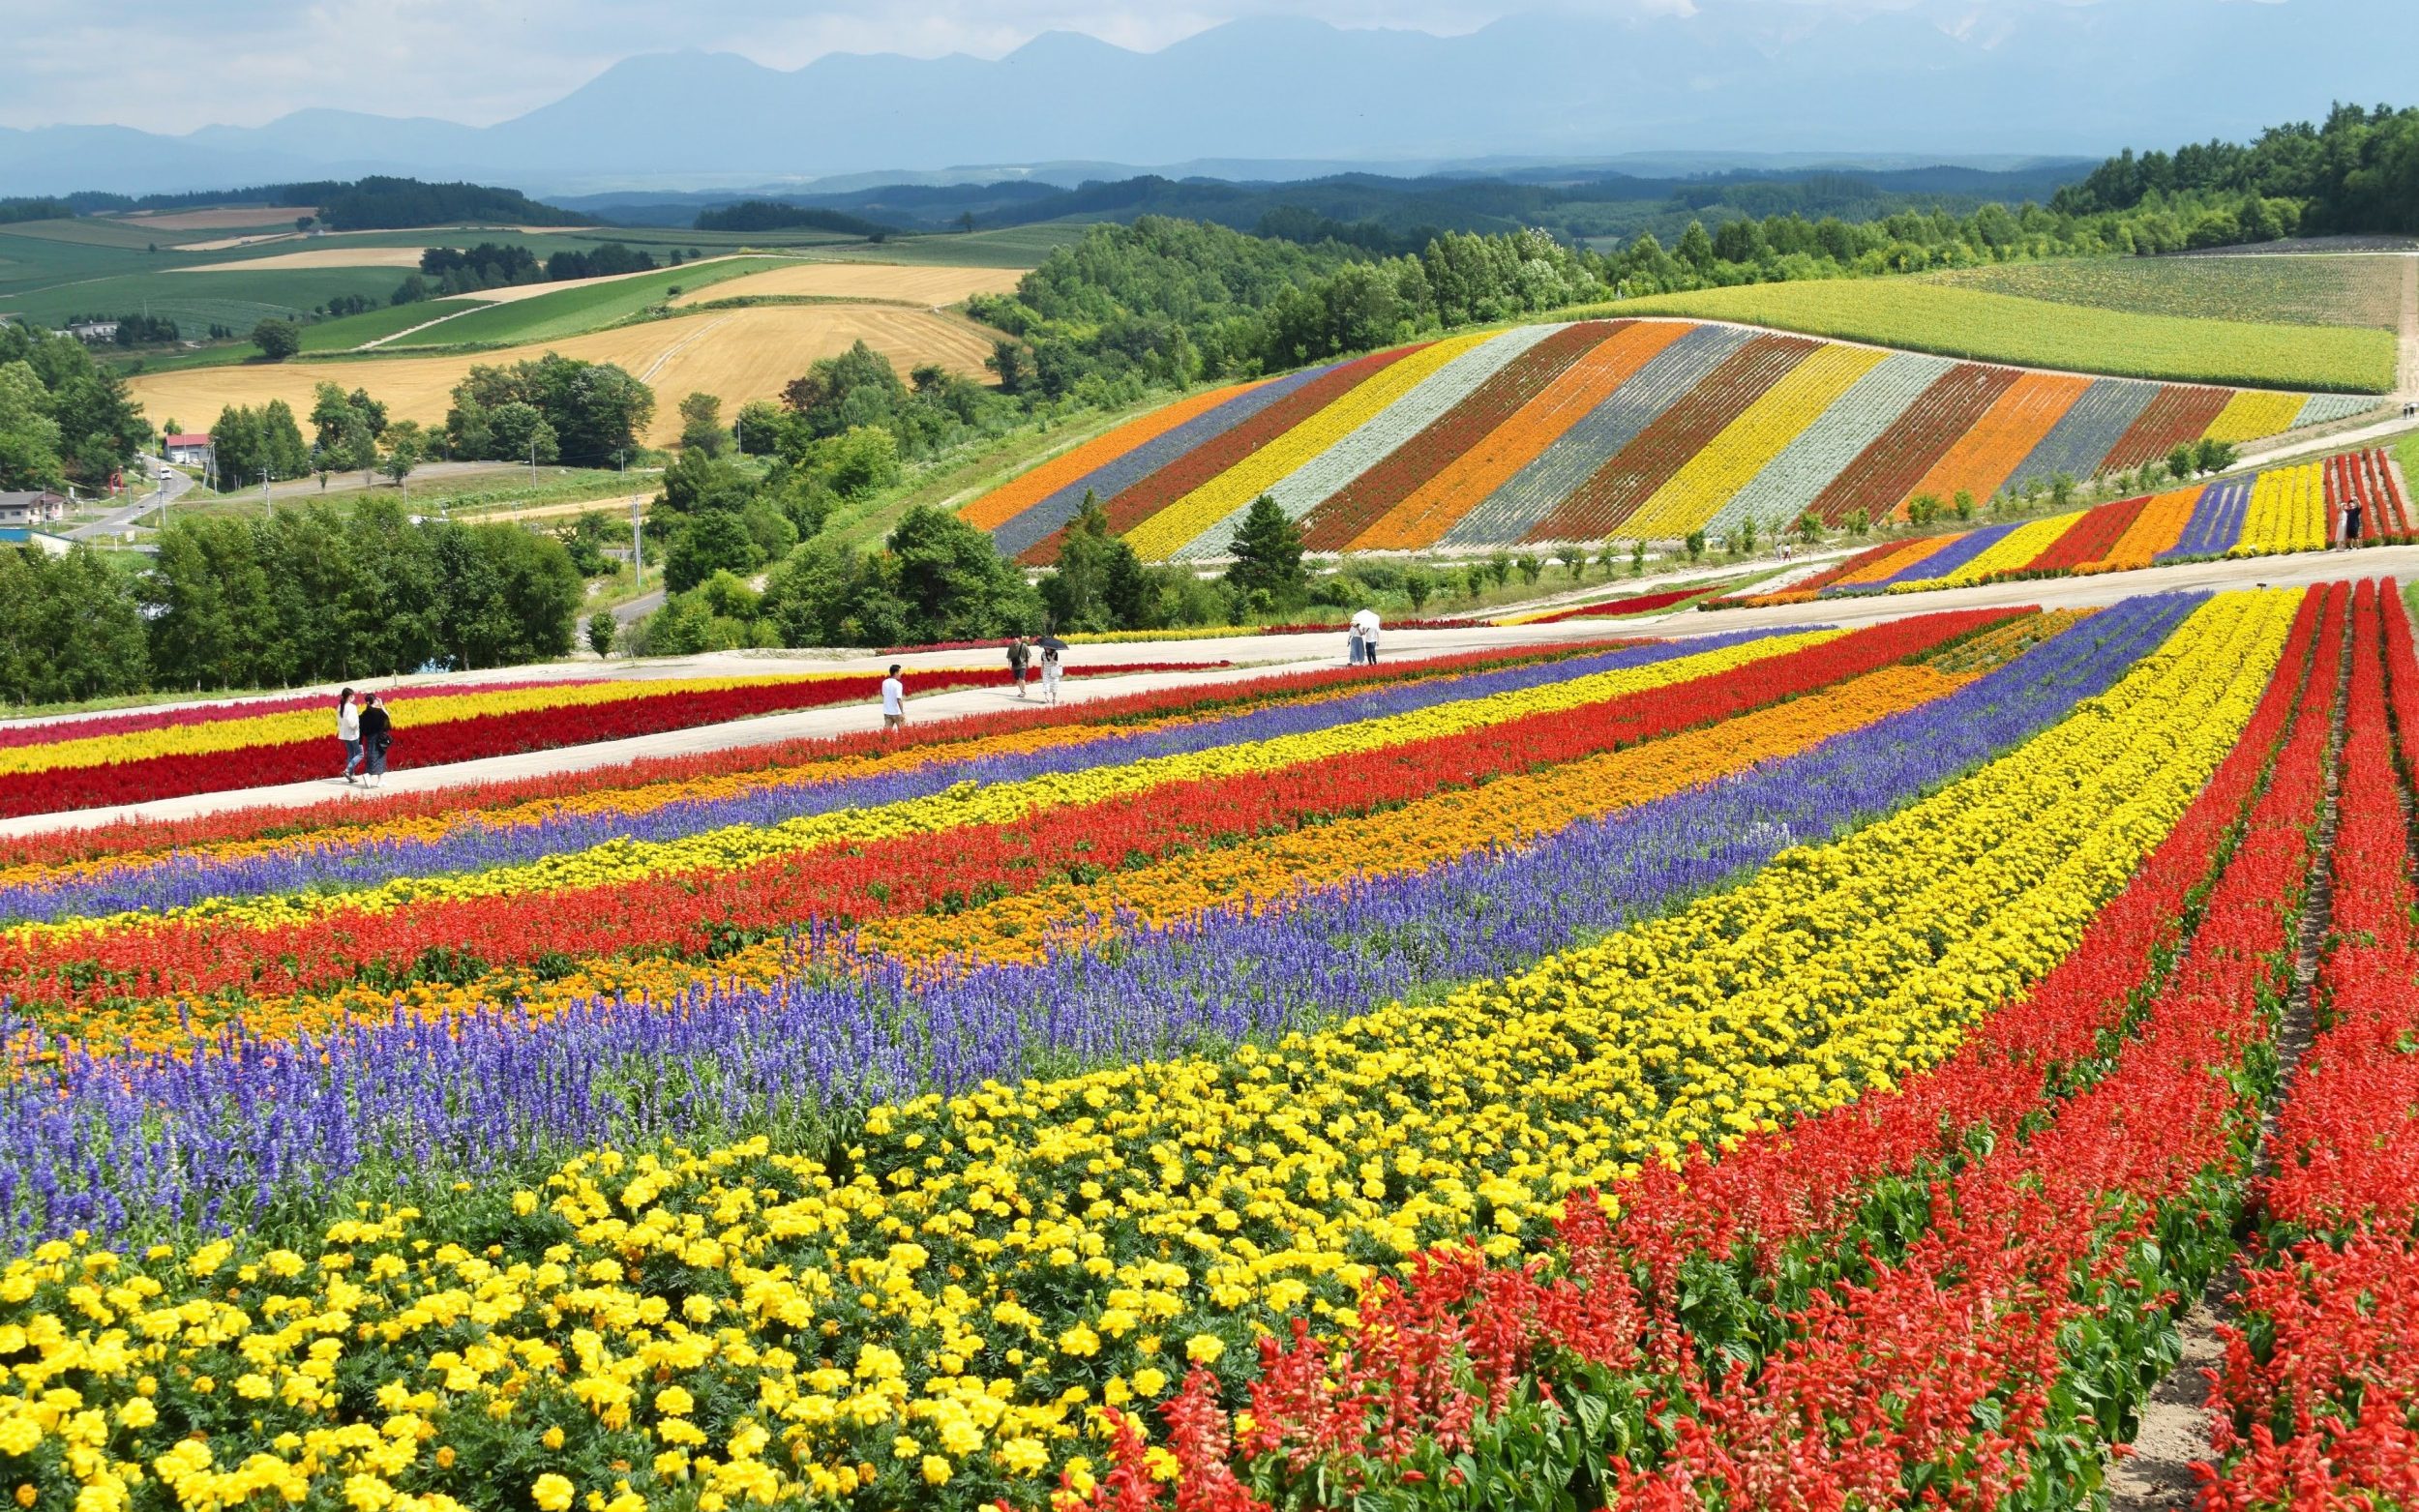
{"x": 318, "y": 258}
{"x": 922, "y": 286}
{"x": 737, "y": 355}
{"x": 218, "y": 217}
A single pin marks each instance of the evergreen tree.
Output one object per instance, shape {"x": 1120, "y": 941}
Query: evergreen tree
{"x": 1268, "y": 572}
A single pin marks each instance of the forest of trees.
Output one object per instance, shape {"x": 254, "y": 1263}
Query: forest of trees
{"x": 771, "y": 215}
{"x": 2357, "y": 172}
{"x": 381, "y": 203}
{"x": 304, "y": 595}
{"x": 63, "y": 417}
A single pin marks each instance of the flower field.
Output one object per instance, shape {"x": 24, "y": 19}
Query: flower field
{"x": 1667, "y": 1073}
{"x": 115, "y": 760}
{"x": 2299, "y": 508}
{"x": 1647, "y": 428}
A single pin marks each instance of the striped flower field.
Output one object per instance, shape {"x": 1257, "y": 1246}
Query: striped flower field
{"x": 1804, "y": 1058}
{"x": 1638, "y": 428}
{"x": 2301, "y": 508}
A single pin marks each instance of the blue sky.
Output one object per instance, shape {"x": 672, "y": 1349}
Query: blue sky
{"x": 244, "y": 62}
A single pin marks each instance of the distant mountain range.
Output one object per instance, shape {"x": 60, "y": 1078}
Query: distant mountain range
{"x": 1944, "y": 80}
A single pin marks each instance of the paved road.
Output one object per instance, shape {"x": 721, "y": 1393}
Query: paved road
{"x": 118, "y": 520}
{"x": 1249, "y": 656}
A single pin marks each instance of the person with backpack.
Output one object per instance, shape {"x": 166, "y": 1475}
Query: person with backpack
{"x": 378, "y": 734}
{"x": 1019, "y": 658}
{"x": 348, "y": 732}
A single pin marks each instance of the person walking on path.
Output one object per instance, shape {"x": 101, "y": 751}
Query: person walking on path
{"x": 1019, "y": 659}
{"x": 1365, "y": 625}
{"x": 1050, "y": 669}
{"x": 378, "y": 734}
{"x": 893, "y": 699}
{"x": 348, "y": 732}
{"x": 1353, "y": 651}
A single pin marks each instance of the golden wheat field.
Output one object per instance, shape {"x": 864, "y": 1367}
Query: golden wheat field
{"x": 932, "y": 285}
{"x": 319, "y": 258}
{"x": 737, "y": 355}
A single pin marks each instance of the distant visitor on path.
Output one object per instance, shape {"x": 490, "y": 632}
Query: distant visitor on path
{"x": 348, "y": 732}
{"x": 2351, "y": 522}
{"x": 1051, "y": 646}
{"x": 1019, "y": 658}
{"x": 893, "y": 699}
{"x": 1353, "y": 651}
{"x": 378, "y": 734}
{"x": 1365, "y": 627}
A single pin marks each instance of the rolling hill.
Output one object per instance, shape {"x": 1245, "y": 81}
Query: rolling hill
{"x": 1618, "y": 427}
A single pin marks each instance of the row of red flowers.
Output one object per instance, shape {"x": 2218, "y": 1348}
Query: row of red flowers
{"x": 467, "y": 803}
{"x": 691, "y": 913}
{"x": 1636, "y": 604}
{"x": 134, "y": 722}
{"x": 2320, "y": 1391}
{"x": 60, "y": 789}
{"x": 1885, "y": 1303}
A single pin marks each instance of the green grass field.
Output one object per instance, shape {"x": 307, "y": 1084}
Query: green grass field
{"x": 2304, "y": 290}
{"x": 1960, "y": 322}
{"x": 586, "y": 306}
{"x": 342, "y": 335}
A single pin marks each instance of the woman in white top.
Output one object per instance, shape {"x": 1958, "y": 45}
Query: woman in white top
{"x": 349, "y": 730}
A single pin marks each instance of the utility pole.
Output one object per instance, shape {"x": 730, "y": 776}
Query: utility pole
{"x": 638, "y": 543}
{"x": 533, "y": 460}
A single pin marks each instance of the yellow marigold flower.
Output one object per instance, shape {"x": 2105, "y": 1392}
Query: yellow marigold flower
{"x": 552, "y": 1492}
{"x": 936, "y": 1471}
{"x": 1204, "y": 1348}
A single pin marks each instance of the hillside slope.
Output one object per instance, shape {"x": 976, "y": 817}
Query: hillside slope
{"x": 1608, "y": 429}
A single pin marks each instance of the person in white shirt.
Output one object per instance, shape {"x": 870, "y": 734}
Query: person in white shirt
{"x": 1365, "y": 624}
{"x": 893, "y": 699}
{"x": 1050, "y": 671}
{"x": 349, "y": 730}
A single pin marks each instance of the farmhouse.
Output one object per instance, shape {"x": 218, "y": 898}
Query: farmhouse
{"x": 43, "y": 508}
{"x": 190, "y": 448}
{"x": 94, "y": 333}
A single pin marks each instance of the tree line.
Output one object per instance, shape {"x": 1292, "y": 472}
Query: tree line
{"x": 445, "y": 271}
{"x": 306, "y": 595}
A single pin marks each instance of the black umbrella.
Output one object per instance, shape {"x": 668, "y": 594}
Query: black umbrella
{"x": 1050, "y": 643}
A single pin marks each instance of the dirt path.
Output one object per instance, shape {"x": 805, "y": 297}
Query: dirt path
{"x": 451, "y": 314}
{"x": 1213, "y": 660}
{"x": 2174, "y": 1434}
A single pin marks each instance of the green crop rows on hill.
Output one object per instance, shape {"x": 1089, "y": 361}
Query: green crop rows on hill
{"x": 1960, "y": 322}
{"x": 2311, "y": 290}
{"x": 584, "y": 306}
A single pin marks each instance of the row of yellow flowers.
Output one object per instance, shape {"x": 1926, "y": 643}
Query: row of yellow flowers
{"x": 965, "y": 804}
{"x": 945, "y": 1302}
{"x": 204, "y": 737}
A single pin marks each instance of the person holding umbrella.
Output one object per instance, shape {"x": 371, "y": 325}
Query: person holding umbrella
{"x": 1051, "y": 646}
{"x": 1365, "y": 634}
